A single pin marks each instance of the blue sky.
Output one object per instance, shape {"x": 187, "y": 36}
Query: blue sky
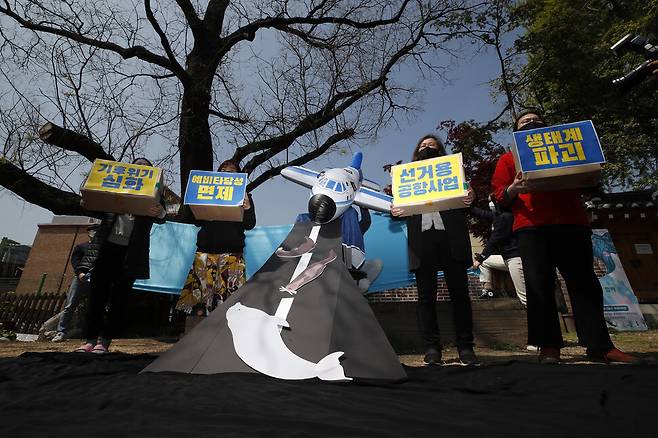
{"x": 278, "y": 201}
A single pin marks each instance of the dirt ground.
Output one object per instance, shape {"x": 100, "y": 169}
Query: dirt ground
{"x": 644, "y": 344}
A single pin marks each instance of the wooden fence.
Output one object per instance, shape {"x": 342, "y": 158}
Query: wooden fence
{"x": 26, "y": 312}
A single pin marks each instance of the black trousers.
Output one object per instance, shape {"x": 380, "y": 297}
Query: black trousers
{"x": 109, "y": 286}
{"x": 436, "y": 256}
{"x": 569, "y": 249}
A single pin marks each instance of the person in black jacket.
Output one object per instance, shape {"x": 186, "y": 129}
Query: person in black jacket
{"x": 117, "y": 256}
{"x": 219, "y": 268}
{"x": 78, "y": 289}
{"x": 440, "y": 242}
{"x": 501, "y": 252}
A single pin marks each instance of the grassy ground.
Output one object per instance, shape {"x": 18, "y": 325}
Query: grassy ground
{"x": 644, "y": 344}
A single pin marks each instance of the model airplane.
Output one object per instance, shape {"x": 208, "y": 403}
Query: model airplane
{"x": 333, "y": 191}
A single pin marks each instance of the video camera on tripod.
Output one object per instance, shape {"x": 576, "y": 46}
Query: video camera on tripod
{"x": 637, "y": 44}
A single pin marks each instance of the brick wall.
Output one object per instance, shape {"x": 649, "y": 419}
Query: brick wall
{"x": 50, "y": 255}
{"x": 502, "y": 283}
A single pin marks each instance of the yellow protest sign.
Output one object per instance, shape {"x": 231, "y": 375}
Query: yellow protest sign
{"x": 429, "y": 185}
{"x": 121, "y": 187}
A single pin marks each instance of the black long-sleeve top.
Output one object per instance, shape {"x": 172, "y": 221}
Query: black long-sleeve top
{"x": 502, "y": 240}
{"x": 77, "y": 255}
{"x": 218, "y": 237}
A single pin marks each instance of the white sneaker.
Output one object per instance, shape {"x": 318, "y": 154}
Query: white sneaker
{"x": 59, "y": 337}
{"x": 531, "y": 348}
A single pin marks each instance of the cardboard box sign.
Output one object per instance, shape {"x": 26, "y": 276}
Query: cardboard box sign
{"x": 559, "y": 157}
{"x": 216, "y": 196}
{"x": 430, "y": 185}
{"x": 117, "y": 187}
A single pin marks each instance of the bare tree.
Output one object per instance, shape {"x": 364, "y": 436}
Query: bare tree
{"x": 267, "y": 82}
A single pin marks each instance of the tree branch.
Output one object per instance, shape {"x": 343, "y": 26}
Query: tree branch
{"x": 328, "y": 112}
{"x": 248, "y": 32}
{"x": 72, "y": 141}
{"x": 176, "y": 67}
{"x": 274, "y": 171}
{"x": 37, "y": 192}
{"x": 191, "y": 16}
{"x": 139, "y": 52}
{"x": 223, "y": 116}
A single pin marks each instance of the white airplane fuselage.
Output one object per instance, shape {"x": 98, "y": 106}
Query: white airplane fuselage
{"x": 333, "y": 193}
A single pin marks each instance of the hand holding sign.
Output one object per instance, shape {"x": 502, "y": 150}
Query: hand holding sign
{"x": 519, "y": 185}
{"x": 470, "y": 196}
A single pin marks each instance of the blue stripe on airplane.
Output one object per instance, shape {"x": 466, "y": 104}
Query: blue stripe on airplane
{"x": 305, "y": 171}
{"x": 376, "y": 194}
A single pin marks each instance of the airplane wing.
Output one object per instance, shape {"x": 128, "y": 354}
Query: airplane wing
{"x": 373, "y": 200}
{"x": 370, "y": 184}
{"x": 300, "y": 175}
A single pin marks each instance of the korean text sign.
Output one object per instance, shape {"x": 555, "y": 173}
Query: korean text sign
{"x": 428, "y": 180}
{"x": 226, "y": 189}
{"x": 571, "y": 144}
{"x": 123, "y": 178}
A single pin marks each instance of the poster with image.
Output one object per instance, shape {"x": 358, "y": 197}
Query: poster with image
{"x": 620, "y": 305}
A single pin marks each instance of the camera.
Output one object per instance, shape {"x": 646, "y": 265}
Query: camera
{"x": 637, "y": 44}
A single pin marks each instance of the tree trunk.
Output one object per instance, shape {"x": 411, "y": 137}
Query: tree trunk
{"x": 194, "y": 141}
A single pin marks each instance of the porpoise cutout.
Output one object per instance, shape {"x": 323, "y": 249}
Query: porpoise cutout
{"x": 302, "y": 249}
{"x": 309, "y": 274}
{"x": 258, "y": 343}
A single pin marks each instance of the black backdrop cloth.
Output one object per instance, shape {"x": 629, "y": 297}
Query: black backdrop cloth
{"x": 85, "y": 395}
{"x": 328, "y": 314}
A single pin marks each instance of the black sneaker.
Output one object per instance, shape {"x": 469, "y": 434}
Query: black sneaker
{"x": 467, "y": 356}
{"x": 432, "y": 356}
{"x": 486, "y": 294}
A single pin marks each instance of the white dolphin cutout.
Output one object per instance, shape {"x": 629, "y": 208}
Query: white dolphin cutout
{"x": 257, "y": 341}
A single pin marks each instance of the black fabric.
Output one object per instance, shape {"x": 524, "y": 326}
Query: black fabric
{"x": 110, "y": 284}
{"x": 502, "y": 240}
{"x": 455, "y": 224}
{"x": 219, "y": 237}
{"x": 85, "y": 395}
{"x": 569, "y": 249}
{"x": 436, "y": 252}
{"x": 328, "y": 314}
{"x": 77, "y": 255}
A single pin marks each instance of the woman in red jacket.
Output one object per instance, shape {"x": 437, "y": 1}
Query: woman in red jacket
{"x": 553, "y": 232}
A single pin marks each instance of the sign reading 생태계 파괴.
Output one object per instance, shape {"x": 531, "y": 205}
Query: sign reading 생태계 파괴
{"x": 117, "y": 187}
{"x": 559, "y": 157}
{"x": 429, "y": 185}
{"x": 216, "y": 195}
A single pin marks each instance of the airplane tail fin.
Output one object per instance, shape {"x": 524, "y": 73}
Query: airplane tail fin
{"x": 356, "y": 160}
{"x": 330, "y": 369}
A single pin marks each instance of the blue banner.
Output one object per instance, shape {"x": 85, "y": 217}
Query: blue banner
{"x": 571, "y": 144}
{"x": 215, "y": 188}
{"x": 620, "y": 306}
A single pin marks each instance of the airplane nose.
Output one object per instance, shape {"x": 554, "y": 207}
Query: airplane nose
{"x": 321, "y": 208}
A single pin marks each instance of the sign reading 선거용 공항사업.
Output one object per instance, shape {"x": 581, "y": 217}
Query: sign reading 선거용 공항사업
{"x": 216, "y": 195}
{"x": 429, "y": 185}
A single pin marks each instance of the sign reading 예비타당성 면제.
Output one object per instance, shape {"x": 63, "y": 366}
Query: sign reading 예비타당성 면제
{"x": 559, "y": 157}
{"x": 216, "y": 196}
{"x": 429, "y": 185}
{"x": 116, "y": 187}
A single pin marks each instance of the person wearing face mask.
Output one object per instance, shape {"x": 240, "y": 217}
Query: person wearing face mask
{"x": 440, "y": 241}
{"x": 501, "y": 252}
{"x": 553, "y": 232}
{"x": 219, "y": 268}
{"x": 117, "y": 255}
